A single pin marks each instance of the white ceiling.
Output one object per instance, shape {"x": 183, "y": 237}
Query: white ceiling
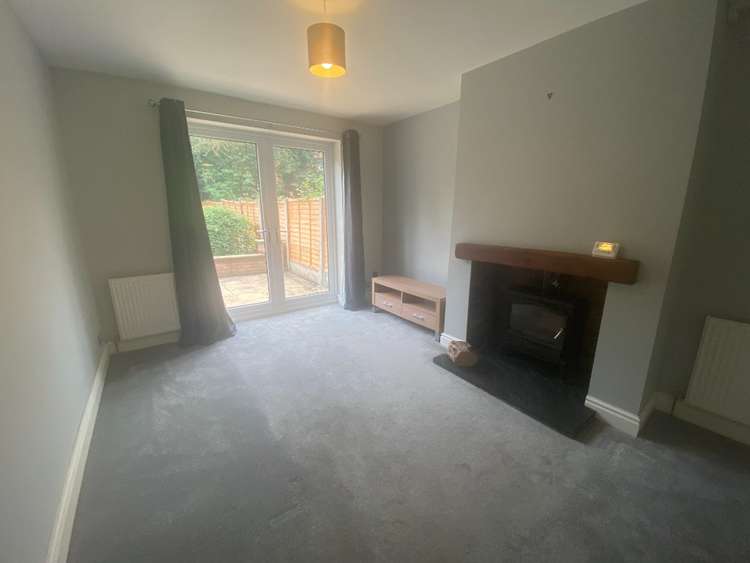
{"x": 404, "y": 56}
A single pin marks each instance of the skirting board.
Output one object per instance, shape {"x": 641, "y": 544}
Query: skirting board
{"x": 626, "y": 421}
{"x": 446, "y": 339}
{"x": 621, "y": 419}
{"x": 60, "y": 539}
{"x": 659, "y": 401}
{"x": 710, "y": 421}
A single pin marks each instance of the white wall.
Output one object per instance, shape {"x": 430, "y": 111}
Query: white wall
{"x": 48, "y": 346}
{"x": 114, "y": 157}
{"x": 608, "y": 157}
{"x": 419, "y": 161}
{"x": 711, "y": 271}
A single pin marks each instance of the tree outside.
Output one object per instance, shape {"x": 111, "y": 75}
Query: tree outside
{"x": 229, "y": 170}
{"x": 225, "y": 169}
{"x": 299, "y": 172}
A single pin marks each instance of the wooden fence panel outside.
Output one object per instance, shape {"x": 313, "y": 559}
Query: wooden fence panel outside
{"x": 303, "y": 226}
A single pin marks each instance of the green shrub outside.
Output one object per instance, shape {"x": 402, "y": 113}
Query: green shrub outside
{"x": 230, "y": 232}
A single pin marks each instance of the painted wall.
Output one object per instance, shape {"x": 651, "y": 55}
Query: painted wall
{"x": 419, "y": 162}
{"x": 711, "y": 271}
{"x": 48, "y": 346}
{"x": 607, "y": 157}
{"x": 114, "y": 157}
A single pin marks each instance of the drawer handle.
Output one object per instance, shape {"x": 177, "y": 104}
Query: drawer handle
{"x": 418, "y": 317}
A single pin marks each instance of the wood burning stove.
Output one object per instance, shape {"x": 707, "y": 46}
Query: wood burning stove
{"x": 539, "y": 326}
{"x": 541, "y": 316}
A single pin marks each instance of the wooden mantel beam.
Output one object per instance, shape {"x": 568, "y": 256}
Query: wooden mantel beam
{"x": 617, "y": 270}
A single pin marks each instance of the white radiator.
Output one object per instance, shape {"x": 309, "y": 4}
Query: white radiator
{"x": 144, "y": 305}
{"x": 720, "y": 383}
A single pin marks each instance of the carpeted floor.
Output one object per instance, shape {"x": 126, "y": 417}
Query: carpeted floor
{"x": 328, "y": 435}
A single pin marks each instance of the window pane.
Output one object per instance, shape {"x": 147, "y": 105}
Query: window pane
{"x": 229, "y": 185}
{"x": 300, "y": 188}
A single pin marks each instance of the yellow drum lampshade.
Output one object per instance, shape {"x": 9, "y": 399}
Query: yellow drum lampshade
{"x": 326, "y": 50}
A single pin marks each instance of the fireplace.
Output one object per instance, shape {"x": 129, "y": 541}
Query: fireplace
{"x": 534, "y": 317}
{"x": 542, "y": 316}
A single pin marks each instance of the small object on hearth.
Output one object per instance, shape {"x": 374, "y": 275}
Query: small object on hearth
{"x": 461, "y": 354}
{"x": 603, "y": 249}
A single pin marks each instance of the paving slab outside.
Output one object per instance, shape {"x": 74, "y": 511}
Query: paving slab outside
{"x": 252, "y": 289}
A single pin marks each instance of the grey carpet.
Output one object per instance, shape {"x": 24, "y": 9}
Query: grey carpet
{"x": 329, "y": 435}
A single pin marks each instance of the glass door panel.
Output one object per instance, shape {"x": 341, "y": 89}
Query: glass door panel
{"x": 303, "y": 226}
{"x": 230, "y": 190}
{"x": 268, "y": 201}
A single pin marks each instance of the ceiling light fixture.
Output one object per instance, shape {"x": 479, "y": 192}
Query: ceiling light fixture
{"x": 326, "y": 49}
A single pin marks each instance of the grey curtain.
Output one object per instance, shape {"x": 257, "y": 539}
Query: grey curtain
{"x": 203, "y": 317}
{"x": 354, "y": 253}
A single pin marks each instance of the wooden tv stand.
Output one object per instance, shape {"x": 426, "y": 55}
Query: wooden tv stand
{"x": 418, "y": 302}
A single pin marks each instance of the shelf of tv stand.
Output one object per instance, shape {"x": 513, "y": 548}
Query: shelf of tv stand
{"x": 415, "y": 301}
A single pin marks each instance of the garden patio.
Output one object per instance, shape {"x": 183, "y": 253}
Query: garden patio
{"x": 252, "y": 289}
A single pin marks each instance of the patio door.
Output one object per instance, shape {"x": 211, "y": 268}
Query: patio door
{"x": 268, "y": 200}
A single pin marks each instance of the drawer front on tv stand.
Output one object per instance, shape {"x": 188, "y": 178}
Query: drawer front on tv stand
{"x": 388, "y": 302}
{"x": 419, "y": 316}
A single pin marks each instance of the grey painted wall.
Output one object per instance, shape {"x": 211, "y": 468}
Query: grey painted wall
{"x": 608, "y": 157}
{"x": 711, "y": 271}
{"x": 114, "y": 157}
{"x": 419, "y": 161}
{"x": 48, "y": 347}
